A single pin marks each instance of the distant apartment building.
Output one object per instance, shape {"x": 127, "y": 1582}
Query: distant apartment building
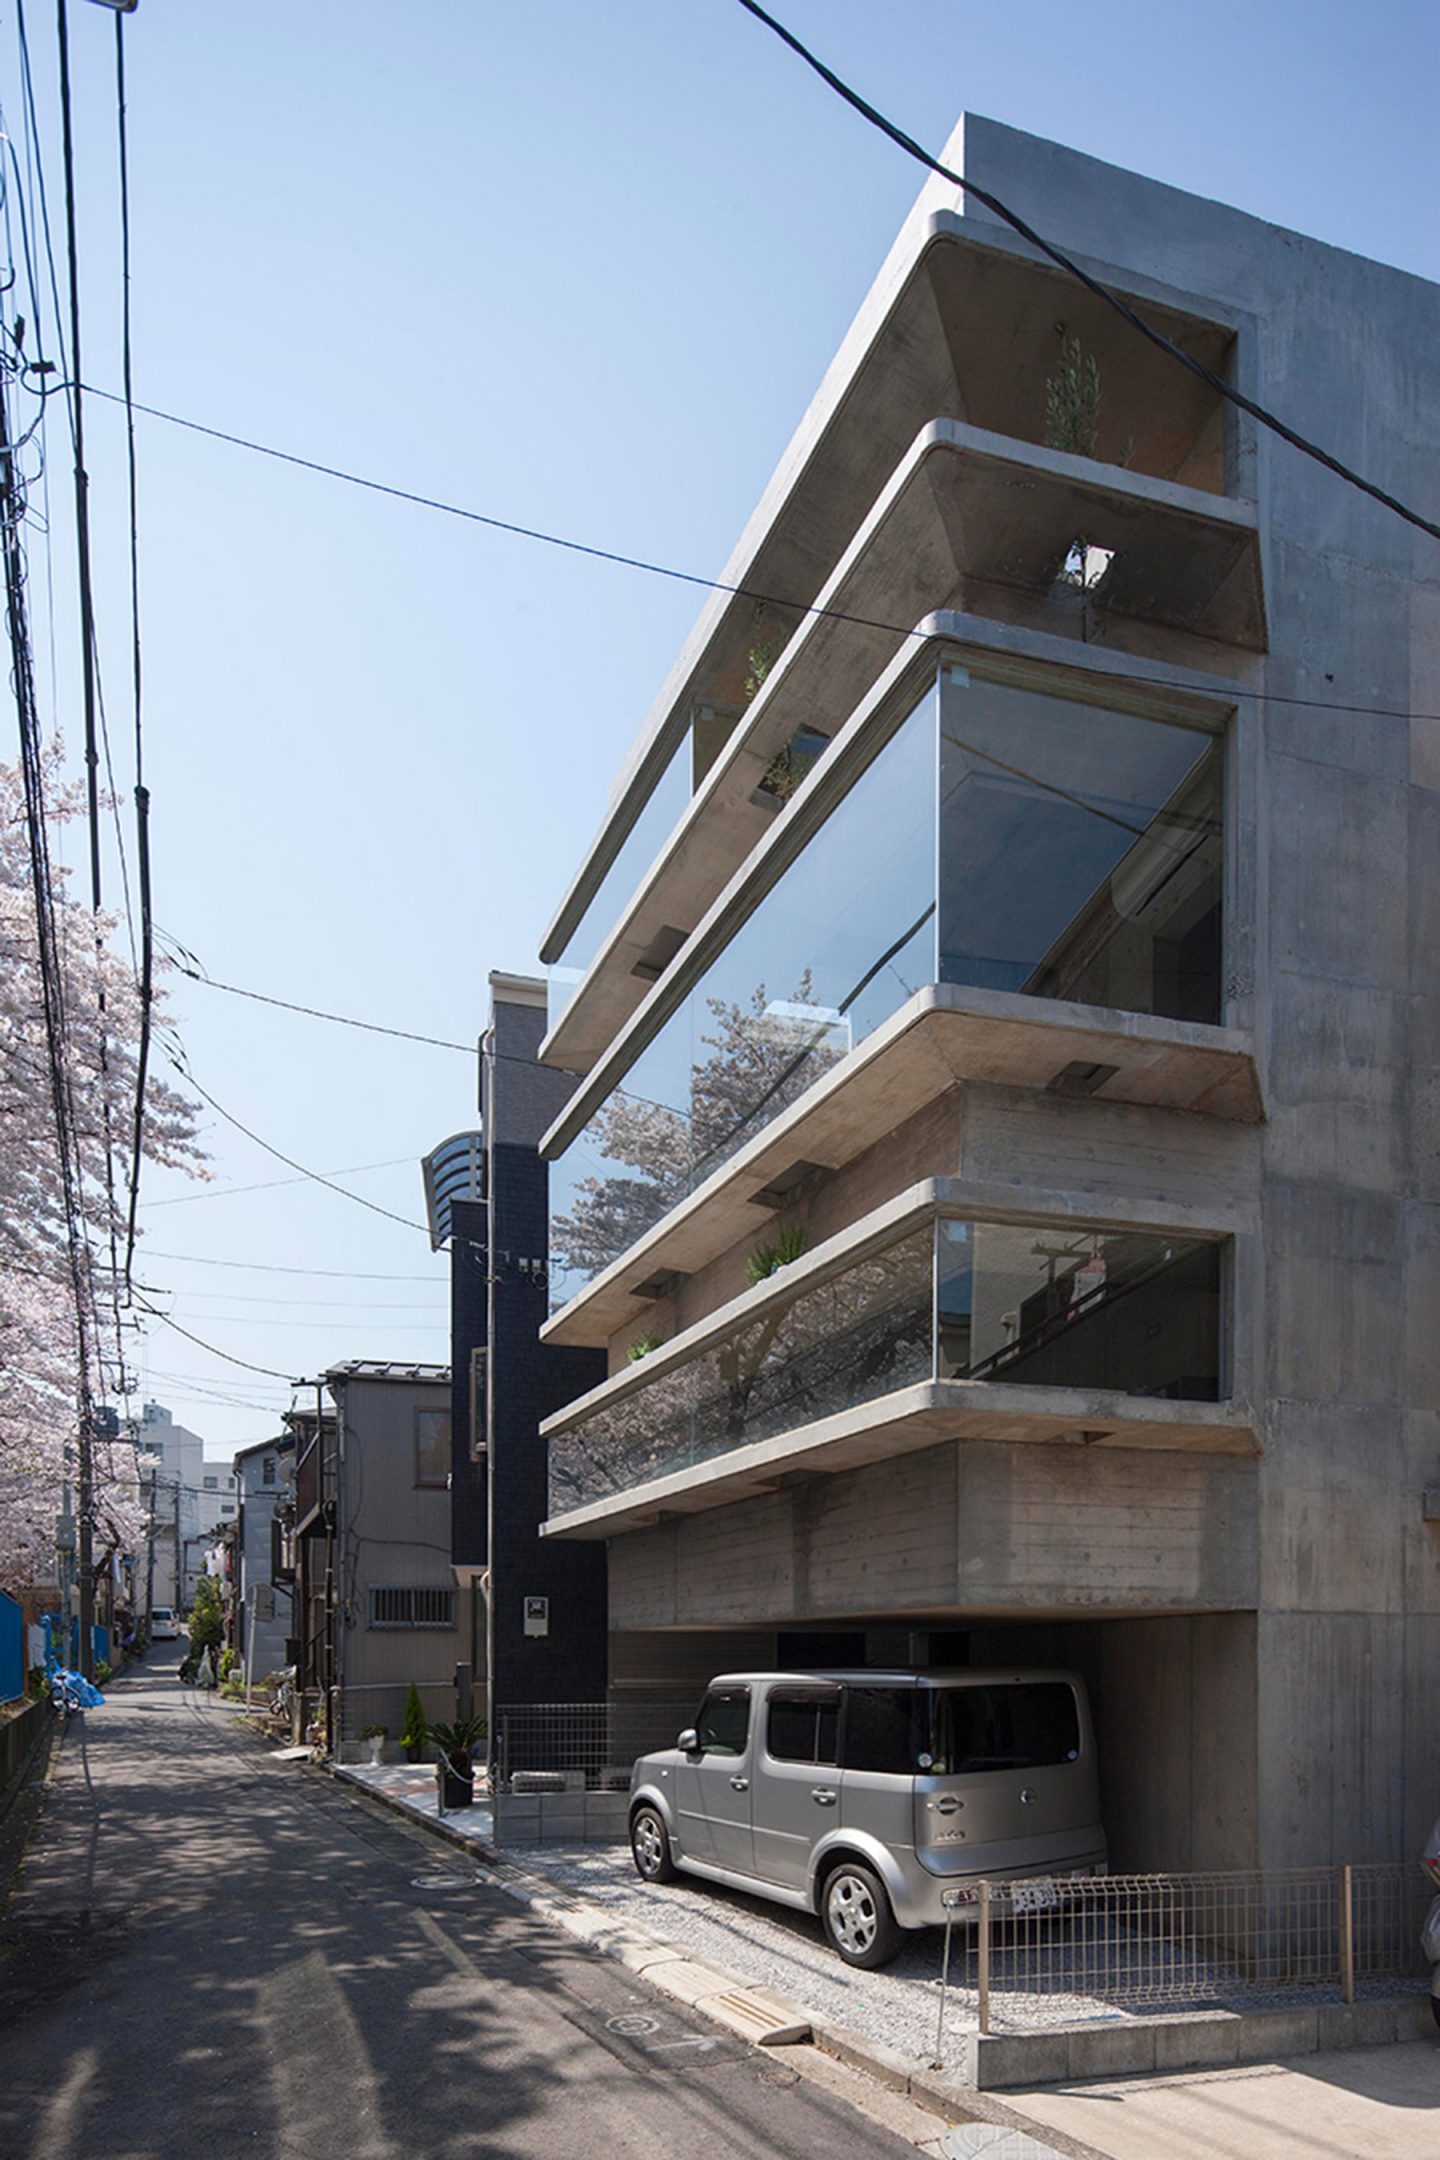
{"x": 193, "y": 1496}
{"x": 1003, "y": 1182}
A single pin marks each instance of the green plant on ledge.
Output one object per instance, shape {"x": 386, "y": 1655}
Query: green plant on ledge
{"x": 375, "y": 1732}
{"x": 790, "y": 1242}
{"x": 642, "y": 1347}
{"x": 415, "y": 1730}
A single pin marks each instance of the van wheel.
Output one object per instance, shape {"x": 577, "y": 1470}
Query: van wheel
{"x": 856, "y": 1916}
{"x": 650, "y": 1846}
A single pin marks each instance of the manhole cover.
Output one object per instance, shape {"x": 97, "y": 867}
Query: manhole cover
{"x": 992, "y": 2141}
{"x": 444, "y": 1882}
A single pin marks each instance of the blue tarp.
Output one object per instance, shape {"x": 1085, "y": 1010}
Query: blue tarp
{"x": 12, "y": 1649}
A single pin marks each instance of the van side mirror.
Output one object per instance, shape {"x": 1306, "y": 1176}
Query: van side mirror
{"x": 689, "y": 1741}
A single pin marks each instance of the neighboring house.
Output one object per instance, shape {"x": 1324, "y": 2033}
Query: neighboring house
{"x": 485, "y": 1196}
{"x": 263, "y": 1616}
{"x": 374, "y": 1591}
{"x": 1003, "y": 1181}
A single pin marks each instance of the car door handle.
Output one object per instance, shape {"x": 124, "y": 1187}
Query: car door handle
{"x": 823, "y": 1795}
{"x": 741, "y": 1784}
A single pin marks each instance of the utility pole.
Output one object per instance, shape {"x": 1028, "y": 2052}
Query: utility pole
{"x": 86, "y": 1528}
{"x": 150, "y": 1554}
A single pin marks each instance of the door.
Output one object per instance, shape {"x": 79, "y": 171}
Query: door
{"x": 795, "y": 1792}
{"x": 712, "y": 1785}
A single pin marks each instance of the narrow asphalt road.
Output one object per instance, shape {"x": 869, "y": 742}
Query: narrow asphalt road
{"x": 208, "y": 1953}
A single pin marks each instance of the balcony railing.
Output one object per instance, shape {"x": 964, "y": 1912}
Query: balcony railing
{"x": 1064, "y": 1305}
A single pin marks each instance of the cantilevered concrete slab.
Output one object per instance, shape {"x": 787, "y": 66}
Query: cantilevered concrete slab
{"x": 911, "y": 1419}
{"x": 960, "y": 324}
{"x": 966, "y": 515}
{"x": 945, "y": 1035}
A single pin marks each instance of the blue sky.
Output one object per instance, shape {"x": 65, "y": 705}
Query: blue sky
{"x": 577, "y": 266}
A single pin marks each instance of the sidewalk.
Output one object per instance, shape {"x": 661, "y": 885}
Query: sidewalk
{"x": 1373, "y": 2103}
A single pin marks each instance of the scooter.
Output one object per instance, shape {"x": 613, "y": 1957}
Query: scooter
{"x": 1430, "y": 1933}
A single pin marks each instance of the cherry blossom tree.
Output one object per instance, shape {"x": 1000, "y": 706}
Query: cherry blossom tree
{"x": 40, "y": 1357}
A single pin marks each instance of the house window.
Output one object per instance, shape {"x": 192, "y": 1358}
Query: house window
{"x": 212, "y": 1484}
{"x": 432, "y": 1447}
{"x": 412, "y": 1608}
{"x": 267, "y": 1470}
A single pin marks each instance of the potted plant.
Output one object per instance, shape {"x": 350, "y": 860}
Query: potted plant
{"x": 413, "y": 1734}
{"x": 375, "y": 1737}
{"x": 455, "y": 1771}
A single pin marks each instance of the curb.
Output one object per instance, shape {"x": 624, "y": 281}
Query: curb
{"x": 757, "y": 2014}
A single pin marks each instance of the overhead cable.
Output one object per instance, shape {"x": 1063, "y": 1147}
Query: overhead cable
{"x": 1111, "y": 299}
{"x": 761, "y": 597}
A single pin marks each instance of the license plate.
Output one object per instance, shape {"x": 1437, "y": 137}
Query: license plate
{"x": 1036, "y": 1896}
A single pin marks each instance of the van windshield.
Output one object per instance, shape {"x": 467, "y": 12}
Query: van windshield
{"x": 1013, "y": 1726}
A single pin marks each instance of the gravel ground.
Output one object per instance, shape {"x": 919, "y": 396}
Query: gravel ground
{"x": 900, "y": 2004}
{"x": 775, "y": 1947}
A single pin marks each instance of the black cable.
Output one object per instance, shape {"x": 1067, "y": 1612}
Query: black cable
{"x": 82, "y": 478}
{"x": 267, "y": 1372}
{"x": 799, "y": 608}
{"x": 313, "y": 1012}
{"x": 142, "y": 793}
{"x": 1111, "y": 299}
{"x": 270, "y": 1267}
{"x": 289, "y": 1160}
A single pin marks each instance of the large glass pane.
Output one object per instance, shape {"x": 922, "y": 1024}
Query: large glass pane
{"x": 658, "y": 817}
{"x": 835, "y": 947}
{"x": 1080, "y": 852}
{"x": 1071, "y": 1306}
{"x": 858, "y": 1336}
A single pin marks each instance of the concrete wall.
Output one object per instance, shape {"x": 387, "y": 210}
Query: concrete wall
{"x": 1264, "y": 1637}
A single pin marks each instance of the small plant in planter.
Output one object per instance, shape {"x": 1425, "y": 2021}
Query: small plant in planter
{"x": 766, "y": 1260}
{"x": 642, "y": 1347}
{"x": 415, "y": 1731}
{"x": 375, "y": 1737}
{"x": 455, "y": 1743}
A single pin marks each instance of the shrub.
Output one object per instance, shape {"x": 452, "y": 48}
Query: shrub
{"x": 415, "y": 1730}
{"x": 103, "y": 1671}
{"x": 790, "y": 1242}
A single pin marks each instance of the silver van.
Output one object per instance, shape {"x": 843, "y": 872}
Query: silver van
{"x": 877, "y": 1799}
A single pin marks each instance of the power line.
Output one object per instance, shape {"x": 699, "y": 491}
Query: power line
{"x": 270, "y": 1267}
{"x": 227, "y": 1192}
{"x": 676, "y": 576}
{"x": 268, "y": 1372}
{"x": 142, "y": 793}
{"x": 313, "y": 1012}
{"x": 1111, "y": 299}
{"x": 289, "y": 1160}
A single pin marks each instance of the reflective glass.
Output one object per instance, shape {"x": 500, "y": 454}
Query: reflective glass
{"x": 858, "y": 1336}
{"x": 1080, "y": 852}
{"x": 835, "y": 947}
{"x": 1064, "y": 1305}
{"x": 659, "y": 815}
{"x": 1059, "y": 1305}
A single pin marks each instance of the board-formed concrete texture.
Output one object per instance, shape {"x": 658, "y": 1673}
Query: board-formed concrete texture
{"x": 1251, "y": 1585}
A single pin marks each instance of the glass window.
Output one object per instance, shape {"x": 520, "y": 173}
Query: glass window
{"x": 1080, "y": 852}
{"x": 885, "y": 1728}
{"x": 803, "y": 1727}
{"x": 432, "y": 1447}
{"x": 1022, "y": 1727}
{"x": 1068, "y": 1305}
{"x": 658, "y": 816}
{"x": 723, "y": 1725}
{"x": 832, "y": 950}
{"x": 267, "y": 1470}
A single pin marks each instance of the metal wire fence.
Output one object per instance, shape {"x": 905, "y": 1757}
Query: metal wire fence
{"x": 1063, "y": 1950}
{"x": 579, "y": 1747}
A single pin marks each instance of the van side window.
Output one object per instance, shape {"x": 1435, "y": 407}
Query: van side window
{"x": 723, "y": 1725}
{"x": 803, "y": 1726}
{"x": 884, "y": 1729}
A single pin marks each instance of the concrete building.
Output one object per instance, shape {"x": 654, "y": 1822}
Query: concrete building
{"x": 1004, "y": 1178}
